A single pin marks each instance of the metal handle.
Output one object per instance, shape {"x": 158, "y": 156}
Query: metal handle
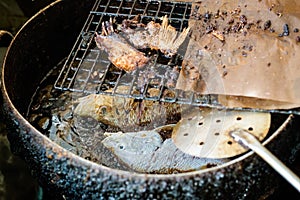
{"x": 249, "y": 141}
{"x": 5, "y": 38}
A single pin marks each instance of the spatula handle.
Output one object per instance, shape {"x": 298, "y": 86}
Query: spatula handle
{"x": 249, "y": 141}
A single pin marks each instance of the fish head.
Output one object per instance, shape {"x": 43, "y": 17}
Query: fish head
{"x": 98, "y": 106}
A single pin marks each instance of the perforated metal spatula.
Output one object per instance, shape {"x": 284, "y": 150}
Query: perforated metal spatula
{"x": 247, "y": 140}
{"x": 220, "y": 134}
{"x": 205, "y": 132}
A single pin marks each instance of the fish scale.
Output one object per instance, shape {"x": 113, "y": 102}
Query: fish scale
{"x": 157, "y": 156}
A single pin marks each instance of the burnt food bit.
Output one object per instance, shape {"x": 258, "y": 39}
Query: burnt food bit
{"x": 243, "y": 19}
{"x": 207, "y": 16}
{"x": 286, "y": 31}
{"x": 267, "y": 24}
{"x": 231, "y": 21}
{"x": 244, "y": 54}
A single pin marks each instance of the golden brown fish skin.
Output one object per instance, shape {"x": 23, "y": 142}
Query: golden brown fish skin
{"x": 120, "y": 52}
{"x": 128, "y": 114}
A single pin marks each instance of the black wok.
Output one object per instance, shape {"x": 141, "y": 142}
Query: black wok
{"x": 45, "y": 40}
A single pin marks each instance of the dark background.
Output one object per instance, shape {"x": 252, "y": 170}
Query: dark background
{"x": 15, "y": 179}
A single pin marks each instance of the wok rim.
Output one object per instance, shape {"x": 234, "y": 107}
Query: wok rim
{"x": 107, "y": 170}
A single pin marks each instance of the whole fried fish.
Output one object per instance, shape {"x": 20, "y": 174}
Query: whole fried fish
{"x": 128, "y": 114}
{"x": 146, "y": 152}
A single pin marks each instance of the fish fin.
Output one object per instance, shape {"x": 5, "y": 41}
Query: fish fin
{"x": 181, "y": 38}
{"x": 108, "y": 134}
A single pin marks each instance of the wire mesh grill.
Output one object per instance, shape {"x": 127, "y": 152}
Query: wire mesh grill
{"x": 88, "y": 70}
{"x": 86, "y": 61}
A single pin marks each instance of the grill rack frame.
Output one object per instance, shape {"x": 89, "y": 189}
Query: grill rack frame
{"x": 125, "y": 9}
{"x": 102, "y": 11}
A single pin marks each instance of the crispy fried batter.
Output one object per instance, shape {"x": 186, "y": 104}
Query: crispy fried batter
{"x": 163, "y": 37}
{"x": 120, "y": 53}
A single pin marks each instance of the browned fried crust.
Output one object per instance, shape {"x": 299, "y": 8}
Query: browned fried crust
{"x": 120, "y": 53}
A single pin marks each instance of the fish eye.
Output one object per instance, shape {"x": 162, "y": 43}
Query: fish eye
{"x": 103, "y": 110}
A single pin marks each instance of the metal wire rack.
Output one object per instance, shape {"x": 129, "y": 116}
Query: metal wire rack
{"x": 88, "y": 70}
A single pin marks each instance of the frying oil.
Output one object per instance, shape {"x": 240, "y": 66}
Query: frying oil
{"x": 52, "y": 113}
